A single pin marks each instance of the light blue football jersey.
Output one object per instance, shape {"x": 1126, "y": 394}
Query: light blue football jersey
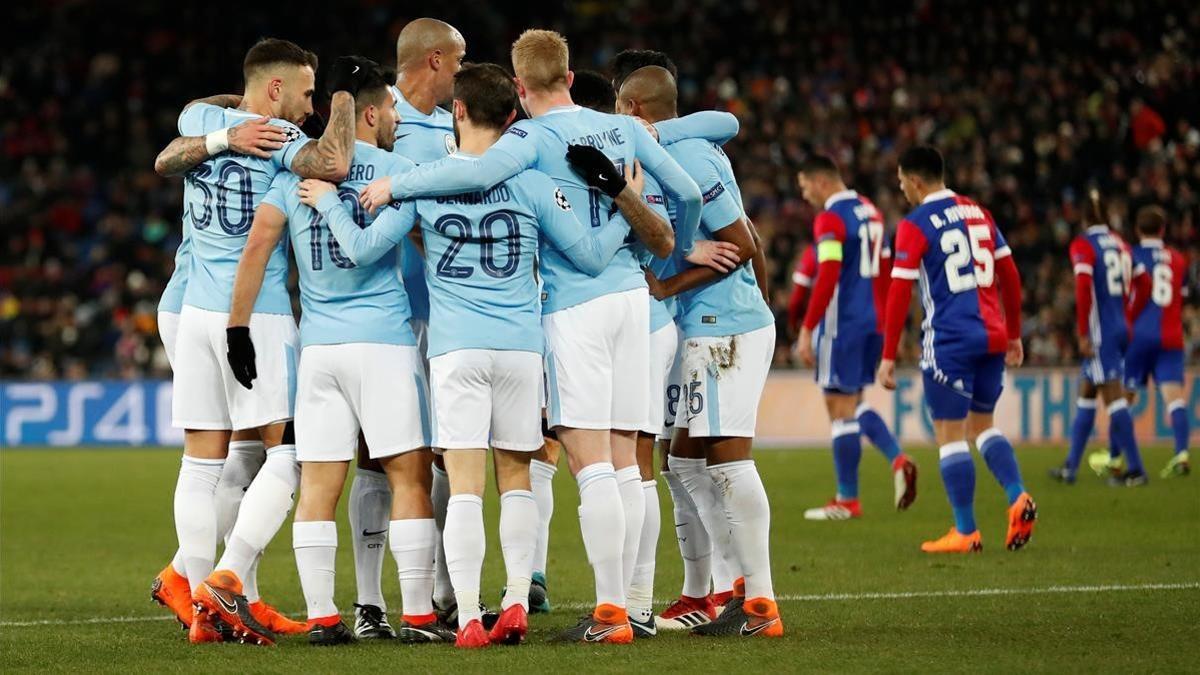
{"x": 421, "y": 138}
{"x": 710, "y": 125}
{"x": 220, "y": 195}
{"x": 731, "y": 305}
{"x": 661, "y": 312}
{"x": 343, "y": 302}
{"x": 480, "y": 251}
{"x": 541, "y": 144}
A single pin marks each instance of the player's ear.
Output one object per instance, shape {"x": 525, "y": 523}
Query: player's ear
{"x": 520, "y": 87}
{"x": 275, "y": 88}
{"x": 460, "y": 110}
{"x": 371, "y": 114}
{"x": 570, "y": 78}
{"x": 435, "y": 59}
{"x": 511, "y": 117}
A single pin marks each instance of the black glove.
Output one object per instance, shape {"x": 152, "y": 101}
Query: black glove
{"x": 350, "y": 72}
{"x": 597, "y": 169}
{"x": 240, "y": 354}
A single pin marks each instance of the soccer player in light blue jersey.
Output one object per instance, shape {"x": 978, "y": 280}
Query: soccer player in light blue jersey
{"x": 359, "y": 373}
{"x": 220, "y": 193}
{"x": 598, "y": 404}
{"x": 428, "y": 54}
{"x": 485, "y": 341}
{"x": 729, "y": 337}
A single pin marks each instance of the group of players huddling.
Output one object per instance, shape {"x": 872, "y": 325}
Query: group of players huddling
{"x": 586, "y": 279}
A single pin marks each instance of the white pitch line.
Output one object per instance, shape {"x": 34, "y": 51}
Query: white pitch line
{"x": 826, "y": 597}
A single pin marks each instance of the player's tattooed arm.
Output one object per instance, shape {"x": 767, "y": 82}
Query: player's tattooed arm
{"x": 255, "y": 138}
{"x": 265, "y": 231}
{"x": 654, "y": 231}
{"x": 737, "y": 233}
{"x": 329, "y": 158}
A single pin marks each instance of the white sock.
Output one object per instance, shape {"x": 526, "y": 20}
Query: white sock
{"x": 250, "y": 581}
{"x": 603, "y": 529}
{"x": 195, "y": 516}
{"x": 412, "y": 542}
{"x": 243, "y": 463}
{"x": 315, "y": 543}
{"x": 370, "y": 509}
{"x": 541, "y": 482}
{"x": 518, "y": 537}
{"x": 633, "y": 505}
{"x": 263, "y": 510}
{"x": 693, "y": 473}
{"x": 695, "y": 547}
{"x": 439, "y": 495}
{"x": 641, "y": 587}
{"x": 465, "y": 543}
{"x": 749, "y": 514}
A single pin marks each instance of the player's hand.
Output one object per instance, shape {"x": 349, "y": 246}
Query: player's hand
{"x": 657, "y": 288}
{"x": 635, "y": 179}
{"x": 804, "y": 348}
{"x": 240, "y": 354}
{"x": 1014, "y": 355}
{"x": 257, "y": 138}
{"x": 596, "y": 169}
{"x": 887, "y": 374}
{"x": 312, "y": 189}
{"x": 650, "y": 128}
{"x": 376, "y": 195}
{"x": 1086, "y": 349}
{"x": 349, "y": 72}
{"x": 722, "y": 256}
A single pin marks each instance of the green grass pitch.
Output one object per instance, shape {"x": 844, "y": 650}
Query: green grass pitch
{"x": 1111, "y": 581}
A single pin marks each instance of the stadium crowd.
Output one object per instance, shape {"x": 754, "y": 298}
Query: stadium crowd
{"x": 1032, "y": 104}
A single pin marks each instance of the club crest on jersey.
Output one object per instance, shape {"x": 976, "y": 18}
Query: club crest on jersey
{"x": 451, "y": 145}
{"x": 713, "y": 192}
{"x": 290, "y": 133}
{"x": 561, "y": 200}
{"x": 520, "y": 133}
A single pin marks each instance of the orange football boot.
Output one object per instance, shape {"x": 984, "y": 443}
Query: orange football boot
{"x": 607, "y": 624}
{"x": 763, "y": 618}
{"x": 171, "y": 590}
{"x": 955, "y": 542}
{"x": 220, "y": 596}
{"x": 272, "y": 620}
{"x": 1021, "y": 516}
{"x": 202, "y": 628}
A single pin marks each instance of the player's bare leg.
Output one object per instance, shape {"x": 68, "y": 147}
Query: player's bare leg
{"x": 640, "y": 598}
{"x": 314, "y": 539}
{"x": 958, "y": 475}
{"x": 1001, "y": 460}
{"x": 748, "y": 513}
{"x": 541, "y": 479}
{"x": 590, "y": 457}
{"x": 370, "y": 505}
{"x": 412, "y": 536}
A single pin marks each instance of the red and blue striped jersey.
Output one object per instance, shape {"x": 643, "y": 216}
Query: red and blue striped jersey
{"x": 1101, "y": 254}
{"x": 1164, "y": 269}
{"x": 951, "y": 244}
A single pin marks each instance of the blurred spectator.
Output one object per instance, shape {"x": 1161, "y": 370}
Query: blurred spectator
{"x": 1032, "y": 102}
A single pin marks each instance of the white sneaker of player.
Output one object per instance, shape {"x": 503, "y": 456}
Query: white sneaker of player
{"x": 832, "y": 511}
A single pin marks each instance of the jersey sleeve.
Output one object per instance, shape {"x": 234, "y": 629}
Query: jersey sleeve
{"x": 806, "y": 268}
{"x": 720, "y": 207}
{"x": 675, "y": 182}
{"x": 829, "y": 232}
{"x": 1083, "y": 258}
{"x": 588, "y": 250}
{"x": 515, "y": 151}
{"x": 294, "y": 139}
{"x": 1002, "y": 249}
{"x": 911, "y": 245}
{"x": 200, "y": 118}
{"x": 710, "y": 125}
{"x": 366, "y": 245}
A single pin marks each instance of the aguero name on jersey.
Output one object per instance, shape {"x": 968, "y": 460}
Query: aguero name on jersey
{"x": 541, "y": 144}
{"x": 732, "y": 304}
{"x": 341, "y": 301}
{"x": 480, "y": 252}
{"x": 422, "y": 139}
{"x": 220, "y": 195}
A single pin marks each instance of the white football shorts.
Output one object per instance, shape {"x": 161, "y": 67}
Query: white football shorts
{"x": 664, "y": 343}
{"x": 378, "y": 388}
{"x": 597, "y": 356}
{"x": 168, "y": 329}
{"x": 486, "y": 398}
{"x": 722, "y": 381}
{"x": 205, "y": 396}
